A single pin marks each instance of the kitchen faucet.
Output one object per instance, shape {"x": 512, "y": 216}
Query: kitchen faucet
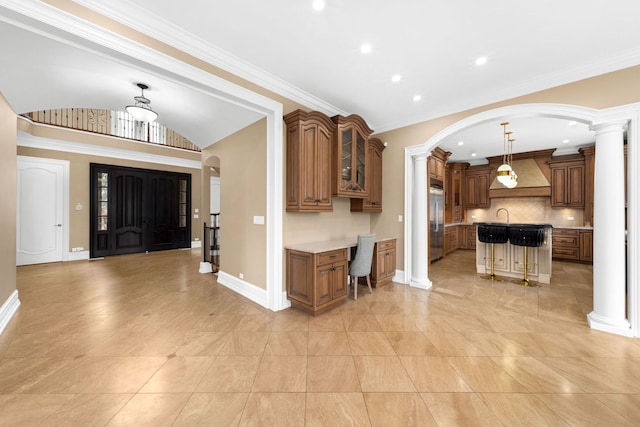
{"x": 503, "y": 209}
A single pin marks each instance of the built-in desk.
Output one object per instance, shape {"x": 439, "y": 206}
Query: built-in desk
{"x": 317, "y": 272}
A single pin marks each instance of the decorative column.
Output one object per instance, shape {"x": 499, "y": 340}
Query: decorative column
{"x": 419, "y": 236}
{"x": 609, "y": 259}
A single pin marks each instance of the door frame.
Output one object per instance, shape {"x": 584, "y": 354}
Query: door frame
{"x": 64, "y": 196}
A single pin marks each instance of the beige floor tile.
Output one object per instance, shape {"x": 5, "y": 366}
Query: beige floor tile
{"x": 29, "y": 410}
{"x": 245, "y": 343}
{"x": 291, "y": 320}
{"x": 582, "y": 410}
{"x": 230, "y": 374}
{"x": 382, "y": 374}
{"x": 536, "y": 376}
{"x": 327, "y": 322}
{"x": 411, "y": 344}
{"x": 281, "y": 374}
{"x": 127, "y": 375}
{"x": 206, "y": 344}
{"x": 398, "y": 322}
{"x": 370, "y": 344}
{"x": 626, "y": 405}
{"x": 398, "y": 409}
{"x": 328, "y": 344}
{"x": 88, "y": 410}
{"x": 274, "y": 409}
{"x": 587, "y": 376}
{"x": 336, "y": 409}
{"x": 433, "y": 374}
{"x": 287, "y": 344}
{"x": 18, "y": 375}
{"x": 452, "y": 344}
{"x": 212, "y": 409}
{"x": 178, "y": 375}
{"x": 150, "y": 410}
{"x": 361, "y": 323}
{"x": 332, "y": 374}
{"x": 385, "y": 308}
{"x": 483, "y": 375}
{"x": 460, "y": 409}
{"x": 255, "y": 323}
{"x": 521, "y": 410}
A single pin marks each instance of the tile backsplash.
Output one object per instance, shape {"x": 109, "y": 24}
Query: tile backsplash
{"x": 527, "y": 209}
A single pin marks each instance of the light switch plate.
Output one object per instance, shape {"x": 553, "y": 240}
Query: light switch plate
{"x": 258, "y": 220}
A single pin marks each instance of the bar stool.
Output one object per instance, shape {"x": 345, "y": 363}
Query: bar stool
{"x": 492, "y": 234}
{"x": 527, "y": 236}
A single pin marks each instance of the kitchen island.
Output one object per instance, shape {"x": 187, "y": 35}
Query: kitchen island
{"x": 509, "y": 258}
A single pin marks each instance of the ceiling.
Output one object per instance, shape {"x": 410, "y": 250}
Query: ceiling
{"x": 314, "y": 58}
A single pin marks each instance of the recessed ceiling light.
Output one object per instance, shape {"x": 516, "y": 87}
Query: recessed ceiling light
{"x": 572, "y": 123}
{"x": 417, "y": 98}
{"x": 460, "y": 143}
{"x": 396, "y": 78}
{"x": 365, "y": 48}
{"x": 318, "y": 5}
{"x": 564, "y": 141}
{"x": 481, "y": 60}
{"x": 473, "y": 154}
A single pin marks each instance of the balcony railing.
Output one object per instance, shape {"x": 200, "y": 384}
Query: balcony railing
{"x": 114, "y": 123}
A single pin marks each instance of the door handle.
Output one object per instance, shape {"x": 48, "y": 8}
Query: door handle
{"x": 58, "y": 225}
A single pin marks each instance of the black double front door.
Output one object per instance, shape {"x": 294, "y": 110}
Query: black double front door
{"x": 138, "y": 210}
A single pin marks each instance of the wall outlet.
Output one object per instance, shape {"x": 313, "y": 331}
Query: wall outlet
{"x": 399, "y": 218}
{"x": 196, "y": 216}
{"x": 78, "y": 249}
{"x": 570, "y": 218}
{"x": 240, "y": 275}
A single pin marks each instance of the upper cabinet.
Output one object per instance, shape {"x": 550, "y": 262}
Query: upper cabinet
{"x": 567, "y": 182}
{"x": 436, "y": 162}
{"x": 373, "y": 202}
{"x": 308, "y": 153}
{"x": 476, "y": 184}
{"x": 350, "y": 142}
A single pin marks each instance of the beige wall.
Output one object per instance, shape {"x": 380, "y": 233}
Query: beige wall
{"x": 8, "y": 166}
{"x": 605, "y": 91}
{"x": 243, "y": 187}
{"x": 79, "y": 174}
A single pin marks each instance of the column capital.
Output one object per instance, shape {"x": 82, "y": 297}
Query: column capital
{"x": 606, "y": 127}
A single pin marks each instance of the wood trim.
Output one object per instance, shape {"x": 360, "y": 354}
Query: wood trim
{"x": 497, "y": 193}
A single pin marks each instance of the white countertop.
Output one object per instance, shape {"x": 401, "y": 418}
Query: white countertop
{"x": 329, "y": 245}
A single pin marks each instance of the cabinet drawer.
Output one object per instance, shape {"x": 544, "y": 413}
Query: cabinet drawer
{"x": 386, "y": 244}
{"x": 332, "y": 256}
{"x": 565, "y": 241}
{"x": 567, "y": 253}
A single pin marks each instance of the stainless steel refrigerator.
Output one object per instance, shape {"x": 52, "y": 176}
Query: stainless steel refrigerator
{"x": 436, "y": 222}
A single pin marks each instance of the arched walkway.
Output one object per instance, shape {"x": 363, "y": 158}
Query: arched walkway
{"x": 615, "y": 285}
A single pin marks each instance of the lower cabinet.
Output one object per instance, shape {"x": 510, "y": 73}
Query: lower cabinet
{"x": 572, "y": 244}
{"x": 383, "y": 266}
{"x": 469, "y": 237}
{"x": 451, "y": 238}
{"x": 317, "y": 282}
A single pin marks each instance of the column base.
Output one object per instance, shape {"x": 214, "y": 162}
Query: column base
{"x": 604, "y": 324}
{"x": 420, "y": 284}
{"x": 205, "y": 267}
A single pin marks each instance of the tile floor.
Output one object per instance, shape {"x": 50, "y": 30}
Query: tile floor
{"x": 145, "y": 340}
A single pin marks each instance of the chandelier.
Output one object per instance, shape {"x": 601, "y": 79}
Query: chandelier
{"x": 142, "y": 111}
{"x": 506, "y": 175}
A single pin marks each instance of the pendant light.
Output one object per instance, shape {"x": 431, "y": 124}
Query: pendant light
{"x": 506, "y": 174}
{"x": 142, "y": 111}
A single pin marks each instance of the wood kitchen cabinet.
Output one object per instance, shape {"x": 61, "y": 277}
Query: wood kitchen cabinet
{"x": 476, "y": 187}
{"x": 308, "y": 162}
{"x": 572, "y": 244}
{"x": 567, "y": 183}
{"x": 467, "y": 237}
{"x": 436, "y": 163}
{"x": 451, "y": 238}
{"x": 350, "y": 141}
{"x": 317, "y": 282}
{"x": 453, "y": 192}
{"x": 383, "y": 266}
{"x": 373, "y": 201}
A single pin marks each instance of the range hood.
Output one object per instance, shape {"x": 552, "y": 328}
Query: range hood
{"x": 534, "y": 175}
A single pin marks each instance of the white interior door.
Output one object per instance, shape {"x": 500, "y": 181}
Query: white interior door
{"x": 41, "y": 215}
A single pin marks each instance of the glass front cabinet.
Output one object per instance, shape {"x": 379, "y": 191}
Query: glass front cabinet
{"x": 350, "y": 156}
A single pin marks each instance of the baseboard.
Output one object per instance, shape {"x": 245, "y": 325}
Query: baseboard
{"x": 285, "y": 301}
{"x": 399, "y": 277}
{"x": 246, "y": 289}
{"x": 8, "y": 309}
{"x": 78, "y": 256}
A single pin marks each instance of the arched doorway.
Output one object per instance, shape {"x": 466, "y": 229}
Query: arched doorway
{"x": 608, "y": 315}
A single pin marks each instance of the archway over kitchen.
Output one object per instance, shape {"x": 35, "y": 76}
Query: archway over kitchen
{"x": 616, "y": 305}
